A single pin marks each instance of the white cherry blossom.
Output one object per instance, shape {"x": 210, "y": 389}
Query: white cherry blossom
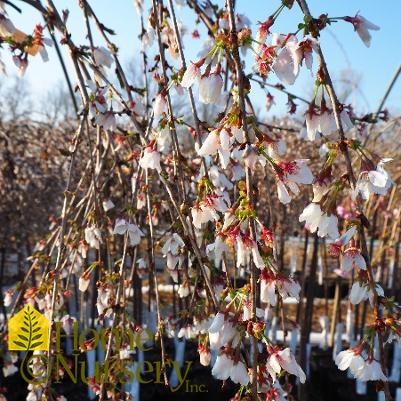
{"x": 150, "y": 159}
{"x": 349, "y": 359}
{"x": 9, "y": 369}
{"x": 191, "y": 75}
{"x": 204, "y": 355}
{"x": 374, "y": 181}
{"x": 183, "y": 290}
{"x": 362, "y": 27}
{"x": 359, "y": 292}
{"x": 103, "y": 56}
{"x": 217, "y": 141}
{"x": 286, "y": 65}
{"x": 210, "y": 88}
{"x": 283, "y": 195}
{"x": 312, "y": 215}
{"x": 8, "y": 298}
{"x": 83, "y": 282}
{"x": 217, "y": 248}
{"x": 67, "y": 323}
{"x": 283, "y": 359}
{"x": 159, "y": 105}
{"x": 107, "y": 120}
{"x": 222, "y": 367}
{"x": 352, "y": 259}
{"x": 239, "y": 373}
{"x": 364, "y": 370}
{"x": 134, "y": 233}
{"x": 371, "y": 370}
{"x": 93, "y": 236}
{"x": 316, "y": 220}
{"x": 268, "y": 292}
{"x": 324, "y": 123}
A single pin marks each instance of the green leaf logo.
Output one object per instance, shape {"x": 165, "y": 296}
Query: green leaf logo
{"x": 28, "y": 330}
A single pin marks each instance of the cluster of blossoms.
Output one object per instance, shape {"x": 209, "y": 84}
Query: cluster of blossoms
{"x": 351, "y": 260}
{"x": 21, "y": 44}
{"x": 210, "y": 81}
{"x": 271, "y": 284}
{"x": 362, "y": 368}
{"x": 318, "y": 221}
{"x": 285, "y": 55}
{"x": 373, "y": 181}
{"x": 225, "y": 335}
{"x": 321, "y": 121}
{"x": 173, "y": 251}
{"x": 100, "y": 109}
{"x": 205, "y": 221}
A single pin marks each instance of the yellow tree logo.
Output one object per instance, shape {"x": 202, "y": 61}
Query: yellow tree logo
{"x": 28, "y": 330}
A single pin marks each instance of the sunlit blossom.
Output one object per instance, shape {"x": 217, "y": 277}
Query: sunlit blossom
{"x": 133, "y": 231}
{"x": 373, "y": 182}
{"x": 204, "y": 355}
{"x": 361, "y": 368}
{"x": 210, "y": 88}
{"x": 103, "y": 56}
{"x": 352, "y": 259}
{"x": 150, "y": 159}
{"x": 93, "y": 236}
{"x": 159, "y": 105}
{"x": 283, "y": 359}
{"x": 316, "y": 220}
{"x": 191, "y": 75}
{"x": 9, "y": 369}
{"x": 222, "y": 367}
{"x": 362, "y": 27}
{"x": 239, "y": 373}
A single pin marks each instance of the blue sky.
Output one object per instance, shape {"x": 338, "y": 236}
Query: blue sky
{"x": 343, "y": 48}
